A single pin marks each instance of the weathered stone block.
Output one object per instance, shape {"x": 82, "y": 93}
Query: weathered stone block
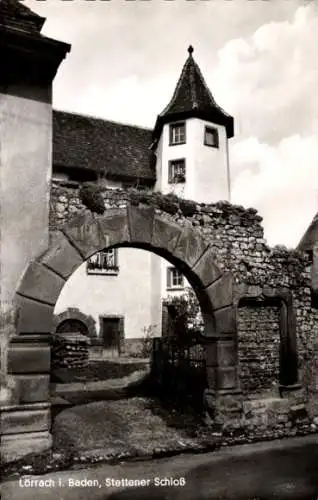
{"x": 165, "y": 234}
{"x": 62, "y": 257}
{"x": 114, "y": 224}
{"x": 15, "y": 446}
{"x": 206, "y": 268}
{"x": 86, "y": 234}
{"x": 225, "y": 320}
{"x": 32, "y": 388}
{"x": 221, "y": 353}
{"x": 222, "y": 377}
{"x": 33, "y": 317}
{"x": 25, "y": 356}
{"x": 39, "y": 283}
{"x": 23, "y": 420}
{"x": 221, "y": 291}
{"x": 190, "y": 246}
{"x": 141, "y": 221}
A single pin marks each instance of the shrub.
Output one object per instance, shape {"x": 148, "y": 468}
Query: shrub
{"x": 188, "y": 318}
{"x": 149, "y": 333}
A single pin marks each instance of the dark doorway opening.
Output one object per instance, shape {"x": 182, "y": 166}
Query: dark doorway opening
{"x": 72, "y": 326}
{"x": 111, "y": 334}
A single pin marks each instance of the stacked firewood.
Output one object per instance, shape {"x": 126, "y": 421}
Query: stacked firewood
{"x": 70, "y": 350}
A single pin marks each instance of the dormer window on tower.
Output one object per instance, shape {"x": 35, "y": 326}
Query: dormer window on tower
{"x": 177, "y": 171}
{"x": 211, "y": 137}
{"x": 177, "y": 133}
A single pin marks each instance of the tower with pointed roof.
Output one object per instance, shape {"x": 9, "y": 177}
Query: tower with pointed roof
{"x": 190, "y": 139}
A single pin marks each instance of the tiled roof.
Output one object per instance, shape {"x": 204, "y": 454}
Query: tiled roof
{"x": 192, "y": 97}
{"x": 15, "y": 15}
{"x": 85, "y": 142}
{"x": 310, "y": 237}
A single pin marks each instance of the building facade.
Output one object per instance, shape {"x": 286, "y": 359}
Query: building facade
{"x": 186, "y": 155}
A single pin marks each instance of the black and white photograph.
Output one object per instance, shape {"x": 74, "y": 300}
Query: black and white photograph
{"x": 158, "y": 249}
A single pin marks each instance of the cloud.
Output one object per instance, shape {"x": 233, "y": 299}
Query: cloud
{"x": 281, "y": 182}
{"x": 268, "y": 82}
{"x": 266, "y": 79}
{"x": 126, "y": 59}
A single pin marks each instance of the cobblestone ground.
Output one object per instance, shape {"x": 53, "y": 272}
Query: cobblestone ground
{"x": 110, "y": 431}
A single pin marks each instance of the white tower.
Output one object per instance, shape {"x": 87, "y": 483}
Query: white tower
{"x": 191, "y": 141}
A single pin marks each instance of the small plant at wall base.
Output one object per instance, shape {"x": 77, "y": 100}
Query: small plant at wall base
{"x": 187, "y": 313}
{"x": 149, "y": 333}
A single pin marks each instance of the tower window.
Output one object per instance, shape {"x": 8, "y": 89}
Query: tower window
{"x": 104, "y": 262}
{"x": 177, "y": 133}
{"x": 174, "y": 278}
{"x": 211, "y": 137}
{"x": 177, "y": 172}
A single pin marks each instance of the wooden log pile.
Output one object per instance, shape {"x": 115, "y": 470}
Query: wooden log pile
{"x": 70, "y": 350}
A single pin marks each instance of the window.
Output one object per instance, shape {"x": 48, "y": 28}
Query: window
{"x": 104, "y": 262}
{"x": 177, "y": 134}
{"x": 211, "y": 137}
{"x": 177, "y": 173}
{"x": 174, "y": 278}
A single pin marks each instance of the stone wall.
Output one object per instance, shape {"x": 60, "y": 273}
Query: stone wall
{"x": 258, "y": 347}
{"x": 237, "y": 237}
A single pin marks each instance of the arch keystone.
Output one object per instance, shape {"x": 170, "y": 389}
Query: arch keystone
{"x": 141, "y": 222}
{"x": 114, "y": 223}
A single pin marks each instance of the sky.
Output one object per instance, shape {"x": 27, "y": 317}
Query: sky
{"x": 258, "y": 57}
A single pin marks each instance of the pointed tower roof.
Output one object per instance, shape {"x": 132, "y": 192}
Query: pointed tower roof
{"x": 193, "y": 99}
{"x": 15, "y": 15}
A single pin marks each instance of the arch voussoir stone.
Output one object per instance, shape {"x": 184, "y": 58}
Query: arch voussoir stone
{"x": 61, "y": 256}
{"x": 206, "y": 268}
{"x": 85, "y": 234}
{"x": 114, "y": 224}
{"x": 165, "y": 234}
{"x": 141, "y": 222}
{"x": 190, "y": 246}
{"x": 220, "y": 291}
{"x": 41, "y": 284}
{"x": 225, "y": 320}
{"x": 33, "y": 316}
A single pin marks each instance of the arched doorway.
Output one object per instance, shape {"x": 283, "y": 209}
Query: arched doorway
{"x": 72, "y": 325}
{"x": 140, "y": 227}
{"x": 74, "y": 320}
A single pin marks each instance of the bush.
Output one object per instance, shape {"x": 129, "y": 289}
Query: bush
{"x": 188, "y": 318}
{"x": 149, "y": 333}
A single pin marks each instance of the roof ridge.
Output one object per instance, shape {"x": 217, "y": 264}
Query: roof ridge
{"x": 81, "y": 115}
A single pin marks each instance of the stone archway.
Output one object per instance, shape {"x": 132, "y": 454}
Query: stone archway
{"x": 73, "y": 314}
{"x": 140, "y": 227}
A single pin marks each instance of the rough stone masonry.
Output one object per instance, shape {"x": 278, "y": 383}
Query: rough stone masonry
{"x": 265, "y": 277}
